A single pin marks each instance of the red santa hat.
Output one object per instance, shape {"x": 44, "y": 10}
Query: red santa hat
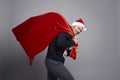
{"x": 80, "y": 23}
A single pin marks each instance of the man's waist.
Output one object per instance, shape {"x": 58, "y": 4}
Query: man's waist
{"x": 59, "y": 60}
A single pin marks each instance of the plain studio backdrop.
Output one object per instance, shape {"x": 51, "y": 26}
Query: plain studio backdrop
{"x": 99, "y": 53}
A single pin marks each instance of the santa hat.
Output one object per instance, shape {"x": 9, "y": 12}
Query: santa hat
{"x": 81, "y": 23}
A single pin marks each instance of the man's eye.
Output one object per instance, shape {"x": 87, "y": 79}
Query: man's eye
{"x": 79, "y": 28}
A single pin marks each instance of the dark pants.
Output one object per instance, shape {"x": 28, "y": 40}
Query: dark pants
{"x": 57, "y": 70}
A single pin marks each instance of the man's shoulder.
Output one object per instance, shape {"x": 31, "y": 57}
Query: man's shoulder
{"x": 64, "y": 34}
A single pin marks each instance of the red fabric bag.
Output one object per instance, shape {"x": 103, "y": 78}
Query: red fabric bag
{"x": 37, "y": 32}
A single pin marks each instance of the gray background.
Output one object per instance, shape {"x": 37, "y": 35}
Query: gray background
{"x": 99, "y": 52}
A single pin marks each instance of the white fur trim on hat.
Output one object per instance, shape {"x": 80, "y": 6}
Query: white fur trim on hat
{"x": 78, "y": 24}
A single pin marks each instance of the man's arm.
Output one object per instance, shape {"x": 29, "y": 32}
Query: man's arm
{"x": 64, "y": 40}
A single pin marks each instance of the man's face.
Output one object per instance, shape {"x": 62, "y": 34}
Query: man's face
{"x": 77, "y": 29}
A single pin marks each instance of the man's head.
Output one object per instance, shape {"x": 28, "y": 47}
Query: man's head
{"x": 78, "y": 26}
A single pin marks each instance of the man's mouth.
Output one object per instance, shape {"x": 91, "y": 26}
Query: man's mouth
{"x": 77, "y": 32}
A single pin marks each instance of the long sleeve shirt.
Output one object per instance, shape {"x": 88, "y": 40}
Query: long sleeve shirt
{"x": 58, "y": 45}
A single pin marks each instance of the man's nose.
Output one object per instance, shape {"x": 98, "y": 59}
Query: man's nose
{"x": 79, "y": 31}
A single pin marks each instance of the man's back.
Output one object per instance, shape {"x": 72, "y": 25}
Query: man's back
{"x": 58, "y": 45}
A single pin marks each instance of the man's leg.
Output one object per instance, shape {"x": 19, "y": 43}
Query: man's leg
{"x": 50, "y": 76}
{"x": 58, "y": 70}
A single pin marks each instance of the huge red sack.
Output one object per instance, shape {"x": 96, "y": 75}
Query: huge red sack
{"x": 37, "y": 32}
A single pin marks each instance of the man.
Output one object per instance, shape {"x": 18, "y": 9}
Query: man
{"x": 50, "y": 29}
{"x": 55, "y": 59}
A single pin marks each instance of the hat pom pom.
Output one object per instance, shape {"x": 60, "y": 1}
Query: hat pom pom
{"x": 85, "y": 29}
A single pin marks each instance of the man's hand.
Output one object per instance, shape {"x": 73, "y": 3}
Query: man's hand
{"x": 75, "y": 39}
{"x": 76, "y": 49}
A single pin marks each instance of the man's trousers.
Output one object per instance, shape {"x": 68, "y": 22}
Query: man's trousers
{"x": 57, "y": 70}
